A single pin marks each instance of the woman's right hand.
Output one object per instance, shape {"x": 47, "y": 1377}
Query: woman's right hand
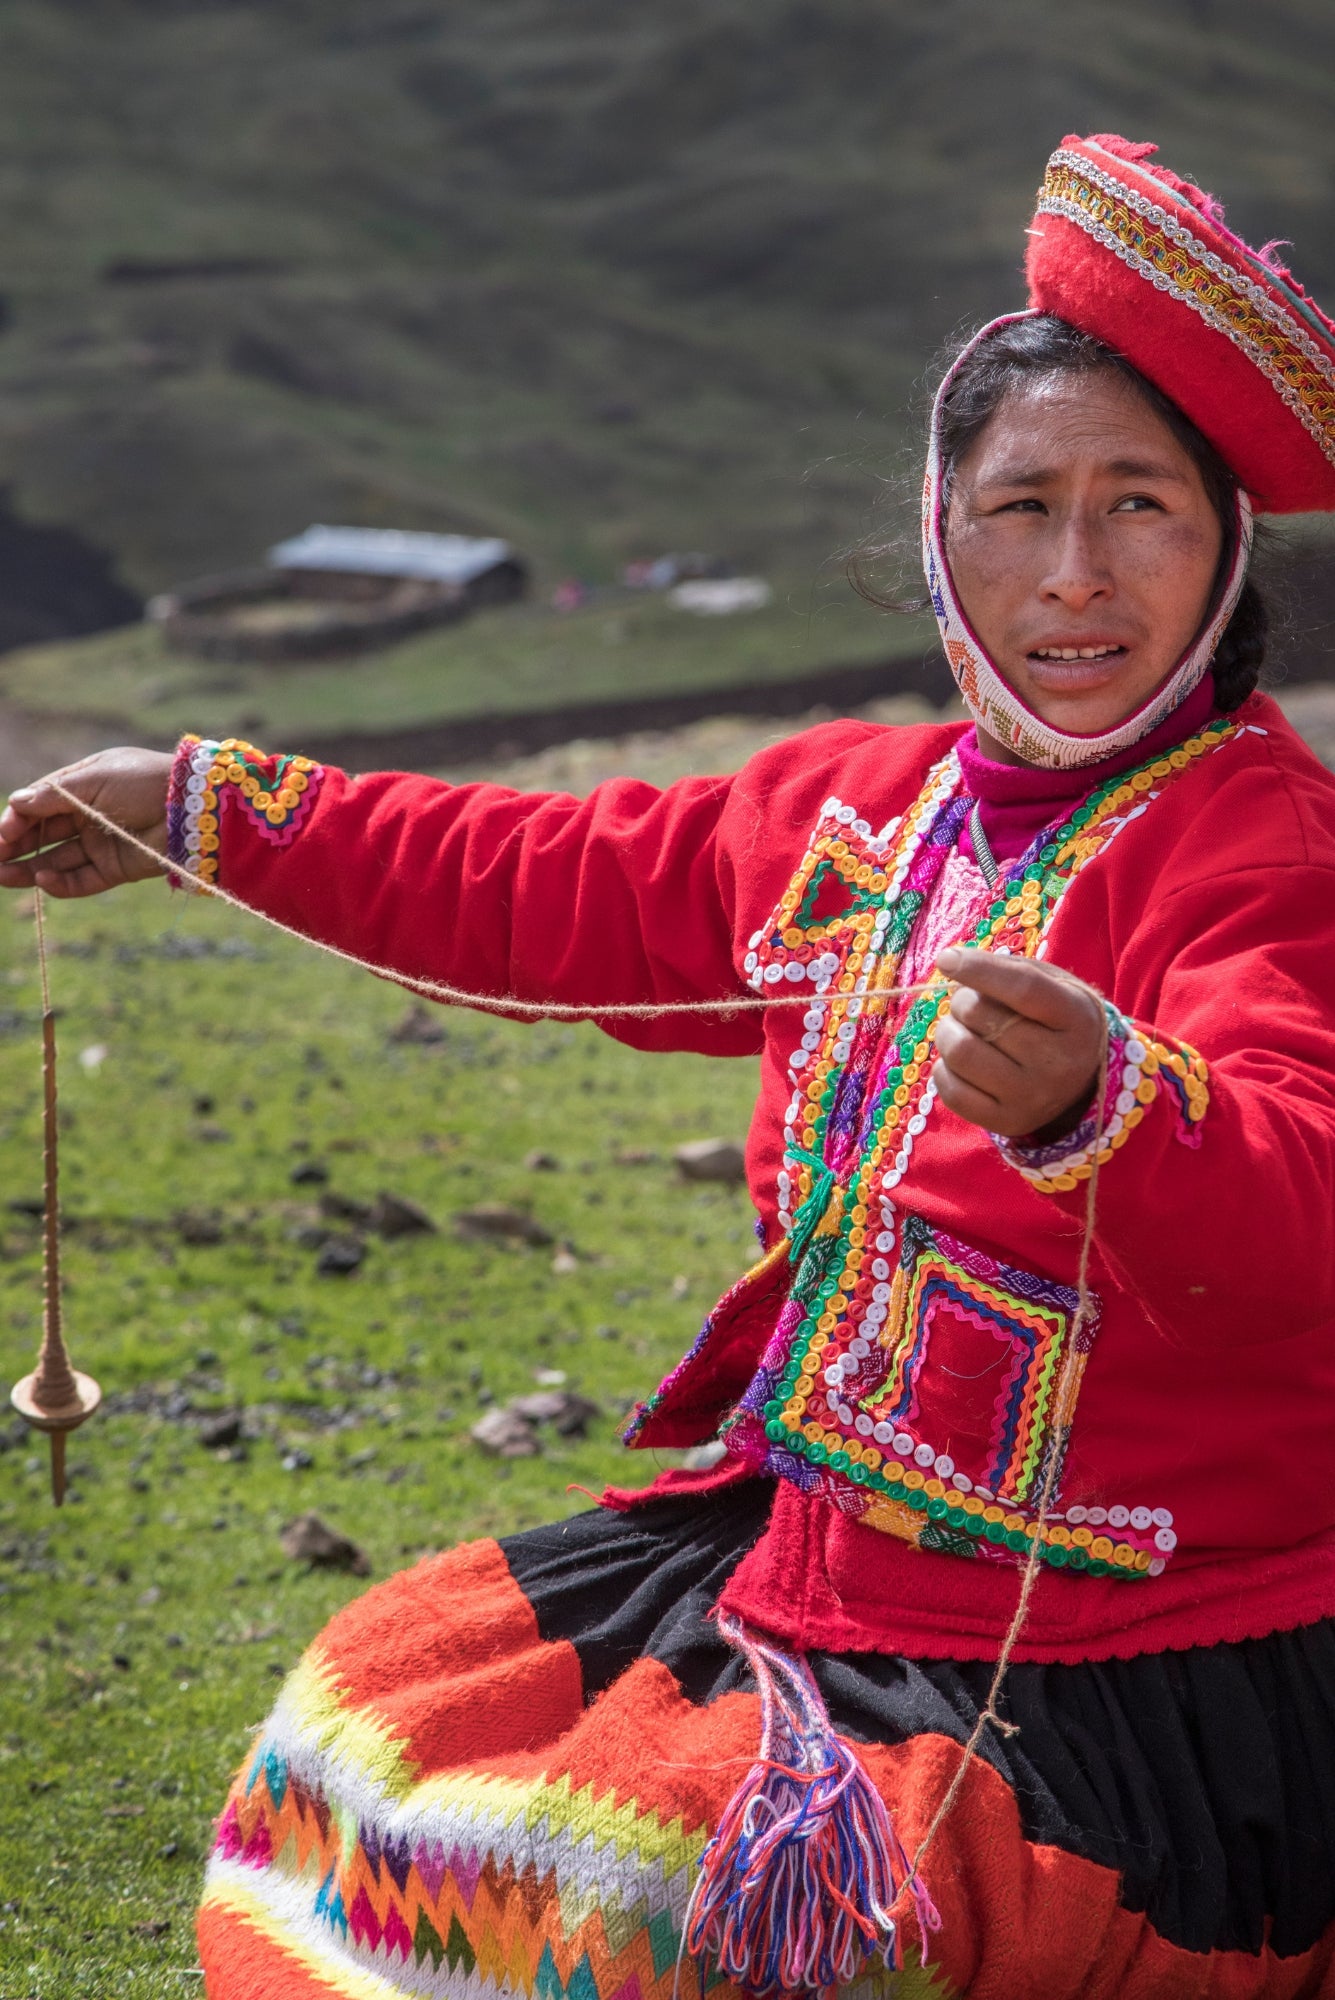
{"x": 46, "y": 843}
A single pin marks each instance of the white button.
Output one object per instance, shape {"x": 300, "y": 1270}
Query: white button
{"x": 795, "y": 972}
{"x": 797, "y": 1061}
{"x": 1118, "y": 1516}
{"x": 1157, "y": 1566}
{"x": 861, "y": 827}
{"x": 754, "y": 940}
{"x": 1130, "y": 1077}
{"x": 845, "y": 1414}
{"x": 750, "y": 962}
{"x": 1162, "y": 1518}
{"x": 813, "y": 1020}
{"x": 1096, "y": 1516}
{"x": 875, "y": 1315}
{"x": 1166, "y": 1540}
{"x": 879, "y": 1268}
{"x": 916, "y": 1123}
{"x": 1076, "y": 1514}
{"x": 846, "y": 815}
{"x": 1135, "y": 1052}
{"x": 893, "y": 1178}
{"x": 1141, "y": 1518}
{"x": 860, "y": 1347}
{"x": 880, "y": 1294}
{"x": 830, "y": 807}
{"x": 886, "y": 1240}
{"x": 903, "y": 1444}
{"x": 983, "y": 1492}
{"x": 834, "y": 1375}
{"x": 883, "y": 1433}
{"x": 1125, "y": 1101}
{"x": 945, "y": 1465}
{"x": 862, "y": 1425}
{"x": 924, "y": 1456}
{"x": 961, "y": 1482}
{"x": 773, "y": 974}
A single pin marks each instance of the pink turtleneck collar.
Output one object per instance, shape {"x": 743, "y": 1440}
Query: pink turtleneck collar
{"x": 1019, "y": 800}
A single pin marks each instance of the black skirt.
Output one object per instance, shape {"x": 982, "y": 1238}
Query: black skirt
{"x": 1205, "y": 1778}
{"x": 499, "y": 1771}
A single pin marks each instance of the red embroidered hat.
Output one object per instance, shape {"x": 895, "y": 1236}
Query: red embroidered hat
{"x": 1142, "y": 260}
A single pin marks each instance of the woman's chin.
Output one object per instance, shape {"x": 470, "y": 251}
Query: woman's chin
{"x": 1078, "y": 697}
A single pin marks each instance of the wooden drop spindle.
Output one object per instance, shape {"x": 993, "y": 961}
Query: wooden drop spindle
{"x": 55, "y": 1398}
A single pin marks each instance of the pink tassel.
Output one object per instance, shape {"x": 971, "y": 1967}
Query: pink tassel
{"x": 796, "y": 1888}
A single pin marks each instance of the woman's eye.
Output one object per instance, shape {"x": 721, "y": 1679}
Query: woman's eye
{"x": 1138, "y": 503}
{"x": 1027, "y": 506}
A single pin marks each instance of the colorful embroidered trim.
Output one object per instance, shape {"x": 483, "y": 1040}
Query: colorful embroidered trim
{"x": 1154, "y": 244}
{"x": 451, "y": 1883}
{"x": 988, "y": 695}
{"x": 1139, "y": 1068}
{"x": 856, "y": 1323}
{"x": 209, "y": 779}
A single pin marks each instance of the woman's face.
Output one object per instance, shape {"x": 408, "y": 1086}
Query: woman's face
{"x": 1083, "y": 546}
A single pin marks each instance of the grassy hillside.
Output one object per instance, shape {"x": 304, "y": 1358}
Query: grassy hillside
{"x": 604, "y": 279}
{"x": 499, "y": 662}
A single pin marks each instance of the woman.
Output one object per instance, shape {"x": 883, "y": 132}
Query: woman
{"x": 503, "y": 1767}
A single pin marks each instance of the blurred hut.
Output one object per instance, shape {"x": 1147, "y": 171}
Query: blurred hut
{"x": 334, "y": 591}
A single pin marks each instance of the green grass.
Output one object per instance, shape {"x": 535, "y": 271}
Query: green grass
{"x": 142, "y": 1629}
{"x": 506, "y": 660}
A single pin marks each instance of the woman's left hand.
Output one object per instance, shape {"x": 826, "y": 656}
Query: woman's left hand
{"x": 1021, "y": 1046}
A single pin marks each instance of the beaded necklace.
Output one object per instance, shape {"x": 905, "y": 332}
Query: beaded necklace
{"x": 860, "y": 1101}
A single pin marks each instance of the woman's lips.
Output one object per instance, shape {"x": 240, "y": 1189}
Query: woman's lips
{"x": 1071, "y": 669}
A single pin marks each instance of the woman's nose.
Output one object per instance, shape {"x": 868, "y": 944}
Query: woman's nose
{"x": 1079, "y": 574}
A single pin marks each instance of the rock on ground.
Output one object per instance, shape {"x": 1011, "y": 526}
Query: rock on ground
{"x": 309, "y": 1539}
{"x": 712, "y": 1160}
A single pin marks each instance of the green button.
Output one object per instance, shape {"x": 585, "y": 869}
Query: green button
{"x": 917, "y": 1500}
{"x": 839, "y": 1461}
{"x": 773, "y": 1410}
{"x": 937, "y": 1509}
{"x": 1097, "y": 1568}
{"x": 1077, "y": 1559}
{"x": 1016, "y": 1539}
{"x": 995, "y": 1531}
{"x": 1048, "y": 853}
{"x": 776, "y": 1433}
{"x": 1057, "y": 1556}
{"x": 956, "y": 1517}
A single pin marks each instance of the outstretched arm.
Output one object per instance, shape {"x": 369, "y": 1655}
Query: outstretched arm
{"x": 624, "y": 897}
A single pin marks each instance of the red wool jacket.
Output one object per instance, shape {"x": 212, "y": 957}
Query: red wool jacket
{"x": 1209, "y": 1393}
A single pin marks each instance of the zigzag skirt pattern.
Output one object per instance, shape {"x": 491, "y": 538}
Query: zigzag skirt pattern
{"x": 495, "y": 1773}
